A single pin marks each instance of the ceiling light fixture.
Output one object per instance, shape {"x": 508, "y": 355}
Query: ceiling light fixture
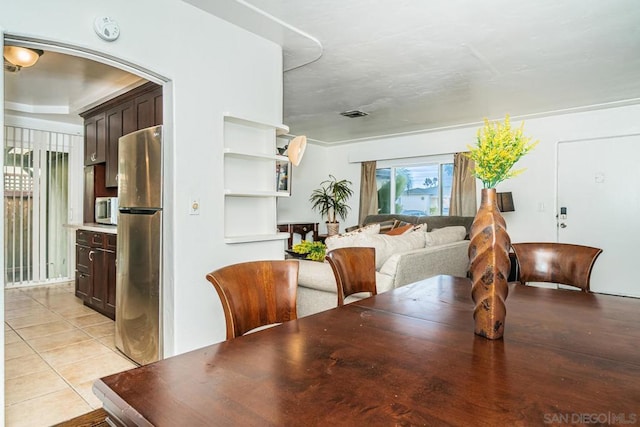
{"x": 20, "y": 57}
{"x": 352, "y": 114}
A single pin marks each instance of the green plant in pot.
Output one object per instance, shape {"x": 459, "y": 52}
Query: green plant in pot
{"x": 314, "y": 251}
{"x": 330, "y": 200}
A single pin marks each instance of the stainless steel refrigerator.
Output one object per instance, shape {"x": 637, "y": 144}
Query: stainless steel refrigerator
{"x": 138, "y": 323}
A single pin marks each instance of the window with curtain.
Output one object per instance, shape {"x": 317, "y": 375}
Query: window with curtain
{"x": 422, "y": 188}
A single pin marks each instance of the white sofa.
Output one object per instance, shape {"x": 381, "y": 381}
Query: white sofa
{"x": 400, "y": 260}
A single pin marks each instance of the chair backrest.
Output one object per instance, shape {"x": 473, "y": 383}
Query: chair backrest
{"x": 354, "y": 270}
{"x": 556, "y": 263}
{"x": 256, "y": 293}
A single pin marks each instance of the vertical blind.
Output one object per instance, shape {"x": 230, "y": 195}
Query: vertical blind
{"x": 36, "y": 202}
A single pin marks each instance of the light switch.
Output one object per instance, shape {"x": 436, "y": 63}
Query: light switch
{"x": 194, "y": 206}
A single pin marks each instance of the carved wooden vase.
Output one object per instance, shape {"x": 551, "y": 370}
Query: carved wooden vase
{"x": 489, "y": 267}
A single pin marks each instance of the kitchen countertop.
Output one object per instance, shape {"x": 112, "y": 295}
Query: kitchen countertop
{"x": 93, "y": 226}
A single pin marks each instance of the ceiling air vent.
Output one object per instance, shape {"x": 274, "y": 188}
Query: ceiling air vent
{"x": 352, "y": 114}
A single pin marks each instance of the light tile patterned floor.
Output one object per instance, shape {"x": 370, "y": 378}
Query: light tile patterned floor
{"x": 55, "y": 348}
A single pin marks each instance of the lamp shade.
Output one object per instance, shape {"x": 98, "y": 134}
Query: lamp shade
{"x": 296, "y": 148}
{"x": 505, "y": 202}
{"x": 21, "y": 56}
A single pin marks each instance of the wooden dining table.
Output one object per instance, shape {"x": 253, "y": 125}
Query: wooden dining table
{"x": 405, "y": 357}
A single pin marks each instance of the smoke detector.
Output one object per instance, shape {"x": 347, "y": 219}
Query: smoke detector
{"x": 352, "y": 114}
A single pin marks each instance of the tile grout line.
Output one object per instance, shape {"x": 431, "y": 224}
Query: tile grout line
{"x": 25, "y": 341}
{"x": 39, "y": 354}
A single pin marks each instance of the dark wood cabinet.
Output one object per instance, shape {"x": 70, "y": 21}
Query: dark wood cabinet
{"x": 104, "y": 125}
{"x": 110, "y": 270}
{"x": 148, "y": 108}
{"x": 95, "y": 270}
{"x": 95, "y": 139}
{"x": 120, "y": 120}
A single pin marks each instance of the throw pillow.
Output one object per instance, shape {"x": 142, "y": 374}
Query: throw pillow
{"x": 401, "y": 230}
{"x": 345, "y": 240}
{"x": 445, "y": 235}
{"x": 399, "y": 223}
{"x": 420, "y": 227}
{"x": 386, "y": 226}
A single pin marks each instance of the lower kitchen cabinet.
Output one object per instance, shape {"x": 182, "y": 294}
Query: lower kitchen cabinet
{"x": 110, "y": 262}
{"x": 95, "y": 270}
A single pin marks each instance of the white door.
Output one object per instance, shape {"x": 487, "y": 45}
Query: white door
{"x": 599, "y": 187}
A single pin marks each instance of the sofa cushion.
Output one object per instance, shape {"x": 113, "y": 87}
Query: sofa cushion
{"x": 317, "y": 275}
{"x": 401, "y": 230}
{"x": 370, "y": 219}
{"x": 346, "y": 239}
{"x": 445, "y": 235}
{"x": 384, "y": 244}
{"x": 434, "y": 221}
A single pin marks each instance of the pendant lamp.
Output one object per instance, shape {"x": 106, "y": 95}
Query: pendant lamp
{"x": 296, "y": 148}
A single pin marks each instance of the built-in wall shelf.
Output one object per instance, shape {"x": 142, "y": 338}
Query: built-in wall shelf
{"x": 256, "y": 238}
{"x": 229, "y": 192}
{"x": 255, "y": 176}
{"x": 248, "y": 155}
{"x": 279, "y": 128}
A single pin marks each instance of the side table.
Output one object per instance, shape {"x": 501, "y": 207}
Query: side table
{"x": 301, "y": 228}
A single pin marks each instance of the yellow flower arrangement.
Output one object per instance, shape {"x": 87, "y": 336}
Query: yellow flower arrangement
{"x": 499, "y": 148}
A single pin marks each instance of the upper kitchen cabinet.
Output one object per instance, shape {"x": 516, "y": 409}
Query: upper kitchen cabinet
{"x": 149, "y": 109}
{"x": 95, "y": 139}
{"x": 120, "y": 121}
{"x": 105, "y": 124}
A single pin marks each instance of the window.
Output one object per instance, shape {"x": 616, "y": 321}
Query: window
{"x": 415, "y": 189}
{"x": 36, "y": 205}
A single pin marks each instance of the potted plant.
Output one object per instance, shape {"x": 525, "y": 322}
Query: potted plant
{"x": 314, "y": 251}
{"x": 330, "y": 200}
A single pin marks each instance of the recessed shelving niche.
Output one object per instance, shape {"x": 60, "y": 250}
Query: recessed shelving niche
{"x": 250, "y": 182}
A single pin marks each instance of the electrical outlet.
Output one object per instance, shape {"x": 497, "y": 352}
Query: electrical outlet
{"x": 194, "y": 206}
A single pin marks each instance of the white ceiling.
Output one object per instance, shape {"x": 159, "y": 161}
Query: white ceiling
{"x": 416, "y": 64}
{"x": 60, "y": 86}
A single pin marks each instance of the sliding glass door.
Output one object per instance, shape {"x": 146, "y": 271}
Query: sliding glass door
{"x": 36, "y": 203}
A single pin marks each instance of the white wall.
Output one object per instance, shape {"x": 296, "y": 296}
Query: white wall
{"x": 535, "y": 187}
{"x": 212, "y": 67}
{"x": 307, "y": 176}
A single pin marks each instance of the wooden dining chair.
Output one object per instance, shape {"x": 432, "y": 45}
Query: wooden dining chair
{"x": 556, "y": 263}
{"x": 354, "y": 270}
{"x": 256, "y": 293}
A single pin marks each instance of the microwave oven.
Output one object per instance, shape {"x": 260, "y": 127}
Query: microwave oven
{"x": 107, "y": 210}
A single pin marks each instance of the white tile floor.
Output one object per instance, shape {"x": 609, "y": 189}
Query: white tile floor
{"x": 55, "y": 348}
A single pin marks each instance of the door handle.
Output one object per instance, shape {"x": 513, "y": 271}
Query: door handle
{"x": 91, "y": 255}
{"x": 563, "y": 225}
